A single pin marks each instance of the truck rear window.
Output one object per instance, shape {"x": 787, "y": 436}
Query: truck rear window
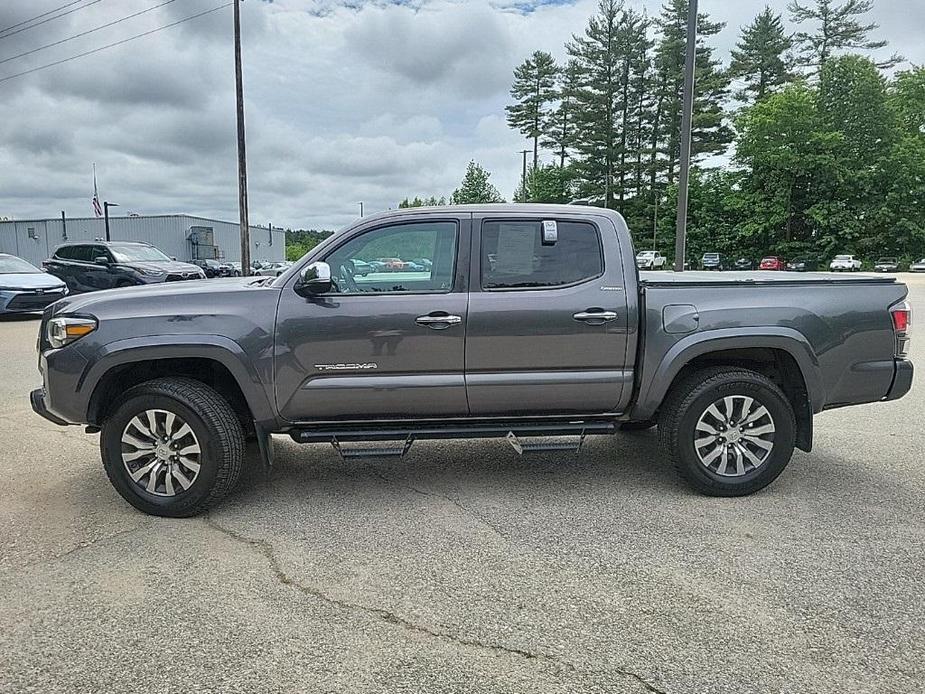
{"x": 514, "y": 256}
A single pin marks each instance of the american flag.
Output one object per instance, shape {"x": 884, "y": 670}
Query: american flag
{"x": 97, "y": 210}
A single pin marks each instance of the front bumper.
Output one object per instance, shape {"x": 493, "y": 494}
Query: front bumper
{"x": 37, "y": 398}
{"x": 28, "y": 300}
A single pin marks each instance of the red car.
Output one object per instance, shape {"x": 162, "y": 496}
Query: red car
{"x": 772, "y": 263}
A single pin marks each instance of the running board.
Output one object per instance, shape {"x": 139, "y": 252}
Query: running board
{"x": 543, "y": 447}
{"x": 373, "y": 451}
{"x": 401, "y": 432}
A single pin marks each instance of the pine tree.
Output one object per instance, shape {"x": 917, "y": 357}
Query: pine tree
{"x": 534, "y": 88}
{"x": 760, "y": 57}
{"x": 559, "y": 130}
{"x": 711, "y": 134}
{"x": 596, "y": 54}
{"x": 838, "y": 29}
{"x": 475, "y": 187}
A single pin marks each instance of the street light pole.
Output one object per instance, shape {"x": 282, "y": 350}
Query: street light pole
{"x": 523, "y": 175}
{"x": 242, "y": 155}
{"x": 686, "y": 117}
{"x": 361, "y": 208}
{"x": 106, "y": 206}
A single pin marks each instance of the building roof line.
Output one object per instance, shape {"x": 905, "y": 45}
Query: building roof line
{"x": 141, "y": 216}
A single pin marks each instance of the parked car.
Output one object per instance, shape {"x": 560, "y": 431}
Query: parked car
{"x": 425, "y": 263}
{"x": 803, "y": 265}
{"x": 712, "y": 261}
{"x": 25, "y": 288}
{"x": 89, "y": 267}
{"x": 361, "y": 267}
{"x": 236, "y": 268}
{"x": 917, "y": 266}
{"x": 845, "y": 263}
{"x": 650, "y": 260}
{"x": 772, "y": 262}
{"x": 566, "y": 341}
{"x": 744, "y": 264}
{"x": 213, "y": 268}
{"x": 886, "y": 265}
{"x": 273, "y": 269}
{"x": 392, "y": 264}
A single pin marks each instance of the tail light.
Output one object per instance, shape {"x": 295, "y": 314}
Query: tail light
{"x": 901, "y": 314}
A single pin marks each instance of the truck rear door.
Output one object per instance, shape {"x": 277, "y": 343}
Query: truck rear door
{"x": 548, "y": 320}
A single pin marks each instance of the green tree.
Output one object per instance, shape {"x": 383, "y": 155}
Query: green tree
{"x": 475, "y": 187}
{"x": 760, "y": 58}
{"x": 547, "y": 183}
{"x": 596, "y": 55}
{"x": 534, "y": 90}
{"x": 432, "y": 201}
{"x": 559, "y": 127}
{"x": 907, "y": 99}
{"x": 710, "y": 132}
{"x": 838, "y": 29}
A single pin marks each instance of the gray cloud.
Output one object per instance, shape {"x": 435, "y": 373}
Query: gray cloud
{"x": 369, "y": 101}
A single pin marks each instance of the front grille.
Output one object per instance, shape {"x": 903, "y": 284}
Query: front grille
{"x": 33, "y": 301}
{"x": 180, "y": 276}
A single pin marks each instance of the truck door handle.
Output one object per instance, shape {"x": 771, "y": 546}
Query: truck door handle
{"x": 595, "y": 316}
{"x": 438, "y": 320}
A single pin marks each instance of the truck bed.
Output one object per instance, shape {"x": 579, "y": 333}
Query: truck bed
{"x": 756, "y": 277}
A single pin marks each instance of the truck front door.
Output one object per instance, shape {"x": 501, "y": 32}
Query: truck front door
{"x": 547, "y": 330}
{"x": 387, "y": 342}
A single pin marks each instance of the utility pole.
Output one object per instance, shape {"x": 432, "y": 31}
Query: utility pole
{"x": 523, "y": 175}
{"x": 106, "y": 206}
{"x": 361, "y": 208}
{"x": 242, "y": 155}
{"x": 63, "y": 226}
{"x": 686, "y": 117}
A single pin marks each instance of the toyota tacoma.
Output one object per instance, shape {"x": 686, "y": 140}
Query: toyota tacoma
{"x": 527, "y": 322}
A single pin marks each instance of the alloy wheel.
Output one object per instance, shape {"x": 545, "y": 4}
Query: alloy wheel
{"x": 734, "y": 436}
{"x": 160, "y": 452}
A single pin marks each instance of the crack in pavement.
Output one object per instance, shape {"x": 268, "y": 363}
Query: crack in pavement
{"x": 74, "y": 550}
{"x": 265, "y": 549}
{"x": 439, "y": 495}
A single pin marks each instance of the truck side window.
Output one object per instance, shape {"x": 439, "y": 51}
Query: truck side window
{"x": 413, "y": 257}
{"x": 514, "y": 257}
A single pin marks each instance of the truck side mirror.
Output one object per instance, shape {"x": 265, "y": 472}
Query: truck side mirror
{"x": 314, "y": 279}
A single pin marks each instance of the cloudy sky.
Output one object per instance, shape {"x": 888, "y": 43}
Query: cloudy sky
{"x": 346, "y": 100}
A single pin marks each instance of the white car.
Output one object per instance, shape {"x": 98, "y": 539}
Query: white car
{"x": 650, "y": 260}
{"x": 843, "y": 263}
{"x": 273, "y": 269}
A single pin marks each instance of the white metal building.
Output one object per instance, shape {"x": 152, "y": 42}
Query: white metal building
{"x": 181, "y": 236}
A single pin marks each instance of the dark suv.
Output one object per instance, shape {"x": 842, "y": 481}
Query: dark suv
{"x": 88, "y": 267}
{"x": 213, "y": 268}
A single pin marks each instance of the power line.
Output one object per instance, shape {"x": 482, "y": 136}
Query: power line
{"x": 44, "y": 21}
{"x": 117, "y": 43}
{"x": 84, "y": 33}
{"x": 39, "y": 16}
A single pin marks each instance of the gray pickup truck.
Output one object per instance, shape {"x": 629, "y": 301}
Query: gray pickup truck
{"x": 529, "y": 322}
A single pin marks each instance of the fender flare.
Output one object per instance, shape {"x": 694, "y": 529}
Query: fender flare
{"x": 654, "y": 385}
{"x": 220, "y": 349}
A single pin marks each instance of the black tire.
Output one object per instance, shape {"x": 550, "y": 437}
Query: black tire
{"x": 690, "y": 398}
{"x": 215, "y": 425}
{"x": 638, "y": 426}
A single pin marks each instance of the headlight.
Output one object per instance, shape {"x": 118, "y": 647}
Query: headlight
{"x": 63, "y": 331}
{"x": 152, "y": 273}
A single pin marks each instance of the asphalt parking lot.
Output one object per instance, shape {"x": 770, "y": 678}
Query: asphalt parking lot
{"x": 465, "y": 568}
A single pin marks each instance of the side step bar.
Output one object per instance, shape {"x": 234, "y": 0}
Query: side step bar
{"x": 403, "y": 438}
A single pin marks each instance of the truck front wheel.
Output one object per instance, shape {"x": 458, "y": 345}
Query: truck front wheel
{"x": 172, "y": 447}
{"x": 729, "y": 431}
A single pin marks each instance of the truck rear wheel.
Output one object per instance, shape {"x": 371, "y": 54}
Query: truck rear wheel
{"x": 172, "y": 447}
{"x": 729, "y": 431}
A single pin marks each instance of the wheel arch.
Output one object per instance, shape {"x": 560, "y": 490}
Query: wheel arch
{"x": 781, "y": 354}
{"x": 207, "y": 358}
